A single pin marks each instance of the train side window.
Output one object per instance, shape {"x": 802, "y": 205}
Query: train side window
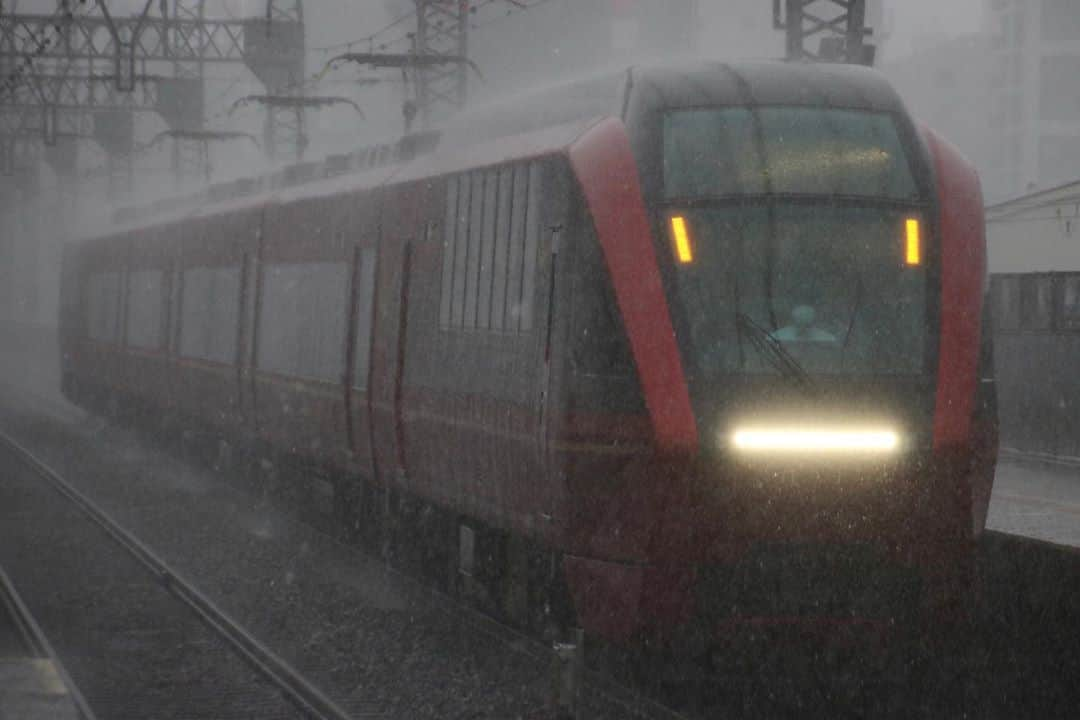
{"x": 490, "y": 249}
{"x": 532, "y": 247}
{"x": 145, "y": 309}
{"x": 476, "y": 231}
{"x": 1007, "y": 310}
{"x": 1037, "y": 303}
{"x": 302, "y": 320}
{"x": 501, "y": 267}
{"x": 102, "y": 306}
{"x": 1070, "y": 302}
{"x": 210, "y": 307}
{"x": 461, "y": 252}
{"x": 519, "y": 203}
{"x": 365, "y": 307}
{"x": 487, "y": 252}
{"x": 449, "y": 245}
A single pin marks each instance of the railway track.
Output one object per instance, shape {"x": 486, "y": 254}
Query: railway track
{"x": 38, "y": 647}
{"x": 585, "y": 691}
{"x": 308, "y": 700}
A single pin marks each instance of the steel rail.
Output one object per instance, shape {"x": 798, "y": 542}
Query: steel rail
{"x": 310, "y": 699}
{"x": 39, "y": 644}
{"x": 296, "y": 689}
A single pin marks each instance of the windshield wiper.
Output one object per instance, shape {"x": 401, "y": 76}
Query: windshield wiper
{"x": 773, "y": 351}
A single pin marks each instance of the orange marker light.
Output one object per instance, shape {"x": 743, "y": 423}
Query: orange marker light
{"x": 914, "y": 242}
{"x": 682, "y": 240}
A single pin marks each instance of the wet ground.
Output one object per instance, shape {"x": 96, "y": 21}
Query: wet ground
{"x": 1022, "y": 660}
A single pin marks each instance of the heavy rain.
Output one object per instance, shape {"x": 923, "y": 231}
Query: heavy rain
{"x": 539, "y": 359}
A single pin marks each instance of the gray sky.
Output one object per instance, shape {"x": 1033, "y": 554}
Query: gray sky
{"x": 910, "y": 19}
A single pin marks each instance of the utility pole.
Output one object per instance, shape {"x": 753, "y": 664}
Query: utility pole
{"x": 838, "y": 25}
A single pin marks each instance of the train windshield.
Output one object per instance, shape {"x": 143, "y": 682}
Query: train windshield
{"x": 839, "y": 289}
{"x": 717, "y": 152}
{"x": 797, "y": 238}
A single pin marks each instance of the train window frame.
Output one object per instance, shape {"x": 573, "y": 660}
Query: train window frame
{"x": 460, "y": 257}
{"x": 519, "y": 202}
{"x": 485, "y": 290}
{"x": 501, "y": 262}
{"x": 531, "y": 268}
{"x": 366, "y": 278}
{"x": 491, "y": 243}
{"x": 450, "y": 225}
{"x": 1068, "y": 316}
{"x": 96, "y": 300}
{"x": 1037, "y": 303}
{"x": 764, "y": 166}
{"x": 226, "y": 315}
{"x": 476, "y": 237}
{"x": 1006, "y": 296}
{"x": 325, "y": 358}
{"x": 135, "y": 309}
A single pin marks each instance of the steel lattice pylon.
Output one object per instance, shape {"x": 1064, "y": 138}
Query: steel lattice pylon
{"x": 83, "y": 60}
{"x": 275, "y": 46}
{"x": 442, "y": 30}
{"x": 839, "y": 25}
{"x": 189, "y": 160}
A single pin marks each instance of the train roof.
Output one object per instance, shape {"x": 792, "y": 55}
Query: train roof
{"x": 540, "y": 120}
{"x": 689, "y": 83}
{"x": 764, "y": 82}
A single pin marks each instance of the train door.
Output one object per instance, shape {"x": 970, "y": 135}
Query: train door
{"x": 400, "y": 210}
{"x": 549, "y": 193}
{"x": 249, "y": 304}
{"x": 301, "y": 332}
{"x": 360, "y": 225}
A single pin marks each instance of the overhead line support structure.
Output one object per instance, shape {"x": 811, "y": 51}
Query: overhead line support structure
{"x": 271, "y": 46}
{"x": 442, "y": 30}
{"x": 838, "y": 25}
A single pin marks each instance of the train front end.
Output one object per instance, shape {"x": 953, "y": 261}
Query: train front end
{"x": 824, "y": 412}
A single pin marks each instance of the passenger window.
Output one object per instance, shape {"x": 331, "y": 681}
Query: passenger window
{"x": 518, "y": 223}
{"x": 365, "y": 279}
{"x": 102, "y": 306}
{"x": 1038, "y": 303}
{"x": 145, "y": 309}
{"x": 532, "y": 248}
{"x": 1070, "y": 303}
{"x": 487, "y": 252}
{"x": 449, "y": 244}
{"x": 502, "y": 250}
{"x": 210, "y": 307}
{"x": 1008, "y": 303}
{"x": 476, "y": 228}
{"x": 302, "y": 320}
{"x": 461, "y": 253}
{"x": 490, "y": 249}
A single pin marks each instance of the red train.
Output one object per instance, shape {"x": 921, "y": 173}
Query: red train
{"x": 645, "y": 338}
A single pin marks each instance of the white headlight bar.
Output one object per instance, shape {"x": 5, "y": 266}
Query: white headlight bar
{"x": 796, "y": 440}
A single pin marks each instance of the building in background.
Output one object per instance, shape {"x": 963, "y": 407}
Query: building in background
{"x": 1036, "y": 93}
{"x": 948, "y": 83}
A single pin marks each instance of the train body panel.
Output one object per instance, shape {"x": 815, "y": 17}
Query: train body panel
{"x": 559, "y": 332}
